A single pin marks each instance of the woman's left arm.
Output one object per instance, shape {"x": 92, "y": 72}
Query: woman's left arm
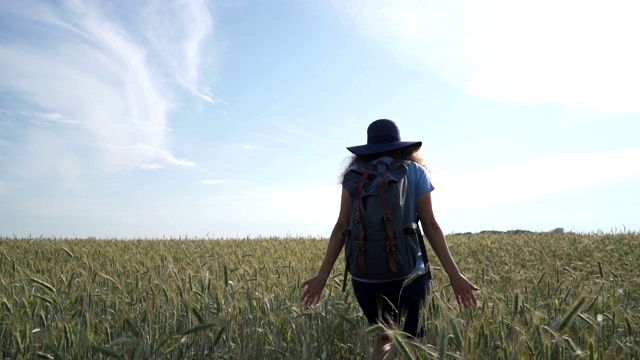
{"x": 462, "y": 287}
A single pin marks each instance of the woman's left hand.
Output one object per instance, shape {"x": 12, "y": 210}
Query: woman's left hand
{"x": 463, "y": 290}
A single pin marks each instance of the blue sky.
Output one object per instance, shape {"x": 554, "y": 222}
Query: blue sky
{"x": 230, "y": 118}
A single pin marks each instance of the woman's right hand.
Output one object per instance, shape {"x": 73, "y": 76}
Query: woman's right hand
{"x": 314, "y": 287}
{"x": 316, "y": 284}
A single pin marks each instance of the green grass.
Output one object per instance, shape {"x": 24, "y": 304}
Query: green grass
{"x": 543, "y": 296}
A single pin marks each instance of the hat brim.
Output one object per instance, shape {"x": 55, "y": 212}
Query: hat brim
{"x": 370, "y": 149}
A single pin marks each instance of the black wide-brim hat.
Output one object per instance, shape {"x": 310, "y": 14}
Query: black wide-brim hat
{"x": 382, "y": 135}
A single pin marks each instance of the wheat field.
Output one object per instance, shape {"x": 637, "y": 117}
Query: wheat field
{"x": 543, "y": 296}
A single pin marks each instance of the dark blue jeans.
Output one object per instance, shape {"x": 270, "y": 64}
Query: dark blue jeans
{"x": 384, "y": 300}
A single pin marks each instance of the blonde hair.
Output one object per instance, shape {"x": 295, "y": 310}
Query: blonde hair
{"x": 407, "y": 153}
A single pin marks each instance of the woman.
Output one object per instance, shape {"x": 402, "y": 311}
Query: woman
{"x": 383, "y": 142}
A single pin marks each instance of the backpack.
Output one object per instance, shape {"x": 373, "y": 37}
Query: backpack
{"x": 382, "y": 241}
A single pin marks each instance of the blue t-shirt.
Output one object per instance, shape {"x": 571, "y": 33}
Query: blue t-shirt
{"x": 419, "y": 184}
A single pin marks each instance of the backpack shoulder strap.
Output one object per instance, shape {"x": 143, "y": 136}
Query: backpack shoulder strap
{"x": 358, "y": 220}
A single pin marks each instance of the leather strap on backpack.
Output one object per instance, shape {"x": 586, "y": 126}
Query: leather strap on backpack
{"x": 386, "y": 214}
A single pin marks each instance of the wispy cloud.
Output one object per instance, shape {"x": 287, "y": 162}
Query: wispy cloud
{"x": 151, "y": 152}
{"x": 211, "y": 99}
{"x": 101, "y": 69}
{"x": 299, "y": 134}
{"x": 180, "y": 47}
{"x": 569, "y": 52}
{"x": 50, "y": 119}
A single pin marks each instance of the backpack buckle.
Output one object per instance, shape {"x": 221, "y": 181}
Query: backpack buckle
{"x": 390, "y": 248}
{"x": 386, "y": 215}
{"x": 357, "y": 218}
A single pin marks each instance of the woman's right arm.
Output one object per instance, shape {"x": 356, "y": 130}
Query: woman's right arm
{"x": 316, "y": 284}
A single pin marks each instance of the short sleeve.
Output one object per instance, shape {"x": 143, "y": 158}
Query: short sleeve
{"x": 422, "y": 182}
